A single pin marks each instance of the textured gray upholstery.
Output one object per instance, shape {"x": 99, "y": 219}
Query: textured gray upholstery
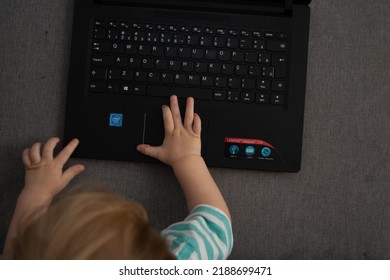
{"x": 336, "y": 207}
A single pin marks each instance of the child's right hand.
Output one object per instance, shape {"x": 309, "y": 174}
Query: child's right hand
{"x": 181, "y": 140}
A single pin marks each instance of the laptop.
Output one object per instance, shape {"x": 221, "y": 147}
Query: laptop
{"x": 244, "y": 62}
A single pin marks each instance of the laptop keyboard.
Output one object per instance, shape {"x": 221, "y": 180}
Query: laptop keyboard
{"x": 207, "y": 63}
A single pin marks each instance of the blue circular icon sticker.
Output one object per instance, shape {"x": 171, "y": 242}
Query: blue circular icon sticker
{"x": 233, "y": 149}
{"x": 266, "y": 152}
{"x": 249, "y": 151}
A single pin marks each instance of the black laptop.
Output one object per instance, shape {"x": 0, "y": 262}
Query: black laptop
{"x": 244, "y": 62}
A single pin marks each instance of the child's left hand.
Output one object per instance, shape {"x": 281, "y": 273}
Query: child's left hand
{"x": 44, "y": 173}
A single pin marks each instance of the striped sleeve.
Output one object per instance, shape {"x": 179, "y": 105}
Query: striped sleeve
{"x": 206, "y": 234}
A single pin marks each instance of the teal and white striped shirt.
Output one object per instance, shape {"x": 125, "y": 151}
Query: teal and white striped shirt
{"x": 206, "y": 234}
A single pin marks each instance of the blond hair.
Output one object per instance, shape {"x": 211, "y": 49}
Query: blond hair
{"x": 91, "y": 224}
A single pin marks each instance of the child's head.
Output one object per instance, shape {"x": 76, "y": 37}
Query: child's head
{"x": 91, "y": 225}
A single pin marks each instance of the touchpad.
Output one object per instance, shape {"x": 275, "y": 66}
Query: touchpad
{"x": 153, "y": 133}
{"x": 153, "y": 128}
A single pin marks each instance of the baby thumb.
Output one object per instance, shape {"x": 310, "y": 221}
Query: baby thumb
{"x": 148, "y": 150}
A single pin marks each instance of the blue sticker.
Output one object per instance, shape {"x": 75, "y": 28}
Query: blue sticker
{"x": 266, "y": 152}
{"x": 116, "y": 119}
{"x": 233, "y": 149}
{"x": 250, "y": 151}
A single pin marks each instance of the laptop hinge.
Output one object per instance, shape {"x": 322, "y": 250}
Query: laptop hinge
{"x": 288, "y": 7}
{"x": 243, "y": 7}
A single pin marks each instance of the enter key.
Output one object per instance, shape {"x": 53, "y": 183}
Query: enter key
{"x": 279, "y": 62}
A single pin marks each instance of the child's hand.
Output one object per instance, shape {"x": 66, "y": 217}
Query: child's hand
{"x": 44, "y": 175}
{"x": 180, "y": 140}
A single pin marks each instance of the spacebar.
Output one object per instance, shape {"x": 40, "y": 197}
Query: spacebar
{"x": 181, "y": 92}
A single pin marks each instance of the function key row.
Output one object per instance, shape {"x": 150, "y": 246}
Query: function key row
{"x": 190, "y": 29}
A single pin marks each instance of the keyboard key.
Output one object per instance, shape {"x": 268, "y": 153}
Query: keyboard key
{"x": 113, "y": 88}
{"x": 207, "y": 81}
{"x": 219, "y": 95}
{"x": 257, "y": 34}
{"x": 233, "y": 96}
{"x": 134, "y": 62}
{"x": 140, "y": 76}
{"x": 153, "y": 77}
{"x": 268, "y": 34}
{"x": 224, "y": 55}
{"x": 220, "y": 82}
{"x": 130, "y": 49}
{"x": 219, "y": 42}
{"x": 171, "y": 51}
{"x": 247, "y": 97}
{"x": 99, "y": 34}
{"x": 241, "y": 70}
{"x": 281, "y": 35}
{"x": 262, "y": 98}
{"x": 179, "y": 39}
{"x": 125, "y": 35}
{"x": 161, "y": 64}
{"x": 248, "y": 83}
{"x": 197, "y": 54}
{"x": 234, "y": 83}
{"x": 196, "y": 29}
{"x": 206, "y": 41}
{"x": 166, "y": 78}
{"x": 180, "y": 79}
{"x": 98, "y": 74}
{"x": 214, "y": 68}
{"x": 250, "y": 57}
{"x": 187, "y": 66}
{"x": 174, "y": 65}
{"x": 232, "y": 43}
{"x": 211, "y": 54}
{"x": 227, "y": 69}
{"x": 112, "y": 35}
{"x": 192, "y": 40}
{"x": 255, "y": 71}
{"x": 194, "y": 80}
{"x": 139, "y": 36}
{"x": 268, "y": 72}
{"x": 184, "y": 52}
{"x": 101, "y": 47}
{"x": 221, "y": 31}
{"x": 113, "y": 74}
{"x": 196, "y": 93}
{"x": 97, "y": 87}
{"x": 246, "y": 44}
{"x": 276, "y": 46}
{"x": 102, "y": 60}
{"x": 126, "y": 75}
{"x": 263, "y": 84}
{"x": 121, "y": 61}
{"x": 209, "y": 30}
{"x": 126, "y": 89}
{"x": 139, "y": 90}
{"x": 100, "y": 23}
{"x": 237, "y": 56}
{"x": 259, "y": 45}
{"x": 144, "y": 50}
{"x": 147, "y": 63}
{"x": 277, "y": 99}
{"x": 278, "y": 85}
{"x": 157, "y": 51}
{"x": 264, "y": 58}
{"x": 245, "y": 33}
{"x": 279, "y": 62}
{"x": 201, "y": 67}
